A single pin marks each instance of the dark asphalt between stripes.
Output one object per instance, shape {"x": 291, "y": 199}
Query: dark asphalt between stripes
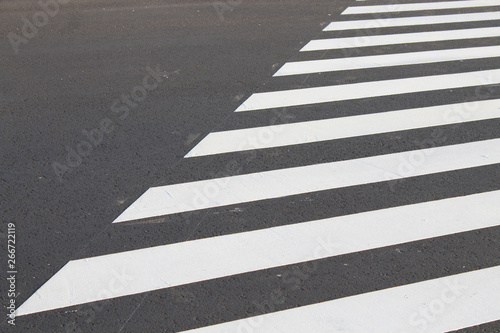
{"x": 64, "y": 80}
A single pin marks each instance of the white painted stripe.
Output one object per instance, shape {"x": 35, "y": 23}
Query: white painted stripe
{"x": 386, "y": 60}
{"x": 408, "y": 7}
{"x": 433, "y": 306}
{"x": 304, "y": 96}
{"x": 412, "y": 21}
{"x": 94, "y": 279}
{"x": 406, "y": 38}
{"x": 178, "y": 198}
{"x": 345, "y": 127}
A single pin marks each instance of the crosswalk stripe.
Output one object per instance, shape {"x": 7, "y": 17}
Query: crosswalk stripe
{"x": 442, "y": 304}
{"x": 407, "y": 7}
{"x": 81, "y": 281}
{"x": 434, "y": 306}
{"x": 325, "y": 94}
{"x": 412, "y": 21}
{"x": 404, "y": 38}
{"x": 387, "y": 60}
{"x": 178, "y": 198}
{"x": 345, "y": 127}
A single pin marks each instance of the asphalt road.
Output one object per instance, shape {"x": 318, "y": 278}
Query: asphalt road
{"x": 77, "y": 150}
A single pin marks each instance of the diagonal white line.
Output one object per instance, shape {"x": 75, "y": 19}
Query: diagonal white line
{"x": 412, "y": 21}
{"x": 326, "y": 94}
{"x": 408, "y": 7}
{"x": 344, "y": 127}
{"x": 434, "y": 306}
{"x": 394, "y": 39}
{"x": 132, "y": 272}
{"x": 387, "y": 60}
{"x": 178, "y": 198}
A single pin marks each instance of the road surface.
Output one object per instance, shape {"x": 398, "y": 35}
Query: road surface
{"x": 250, "y": 166}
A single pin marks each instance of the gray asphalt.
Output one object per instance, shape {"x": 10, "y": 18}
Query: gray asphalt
{"x": 208, "y": 58}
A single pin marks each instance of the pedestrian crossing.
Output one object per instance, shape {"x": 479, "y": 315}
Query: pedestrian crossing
{"x": 344, "y": 127}
{"x": 409, "y": 7}
{"x": 179, "y": 198}
{"x": 386, "y": 60}
{"x": 193, "y": 261}
{"x": 412, "y": 21}
{"x": 402, "y": 38}
{"x": 317, "y": 95}
{"x": 393, "y": 309}
{"x": 389, "y": 310}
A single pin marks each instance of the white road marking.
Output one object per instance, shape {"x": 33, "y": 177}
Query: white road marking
{"x": 412, "y": 21}
{"x": 132, "y": 272}
{"x": 387, "y": 60}
{"x": 406, "y": 38}
{"x": 127, "y": 273}
{"x": 408, "y": 7}
{"x": 325, "y": 94}
{"x": 178, "y": 198}
{"x": 345, "y": 127}
{"x": 440, "y": 305}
